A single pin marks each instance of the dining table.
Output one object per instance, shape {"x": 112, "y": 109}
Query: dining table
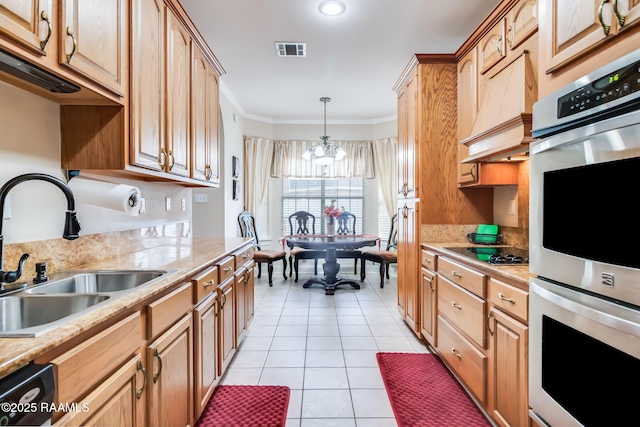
{"x": 331, "y": 244}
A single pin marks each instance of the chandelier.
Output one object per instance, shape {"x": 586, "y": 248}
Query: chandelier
{"x": 327, "y": 152}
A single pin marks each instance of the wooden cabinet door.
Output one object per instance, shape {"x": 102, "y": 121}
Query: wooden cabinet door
{"x": 213, "y": 126}
{"x": 402, "y": 142}
{"x": 94, "y": 40}
{"x": 27, "y": 22}
{"x": 205, "y": 321}
{"x": 627, "y": 13}
{"x": 508, "y": 381}
{"x": 199, "y": 114}
{"x": 170, "y": 377}
{"x": 407, "y": 113}
{"x": 249, "y": 296}
{"x": 227, "y": 346}
{"x": 428, "y": 305}
{"x": 116, "y": 402}
{"x": 408, "y": 264}
{"x": 575, "y": 29}
{"x": 523, "y": 22}
{"x": 178, "y": 66}
{"x": 491, "y": 48}
{"x": 147, "y": 84}
{"x": 240, "y": 300}
{"x": 467, "y": 111}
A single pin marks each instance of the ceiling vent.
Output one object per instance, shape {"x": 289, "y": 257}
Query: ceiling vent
{"x": 291, "y": 49}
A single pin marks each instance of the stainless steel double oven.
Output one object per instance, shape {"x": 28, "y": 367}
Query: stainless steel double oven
{"x": 584, "y": 320}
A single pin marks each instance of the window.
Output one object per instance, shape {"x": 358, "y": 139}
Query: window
{"x": 312, "y": 195}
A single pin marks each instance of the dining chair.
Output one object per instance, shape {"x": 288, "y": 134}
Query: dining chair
{"x": 384, "y": 257}
{"x": 347, "y": 225}
{"x": 303, "y": 222}
{"x": 248, "y": 229}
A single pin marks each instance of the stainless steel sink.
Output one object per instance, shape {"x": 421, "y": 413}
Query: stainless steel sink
{"x": 67, "y": 296}
{"x": 97, "y": 282}
{"x": 27, "y": 315}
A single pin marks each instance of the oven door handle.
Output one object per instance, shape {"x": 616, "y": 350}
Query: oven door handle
{"x": 598, "y": 310}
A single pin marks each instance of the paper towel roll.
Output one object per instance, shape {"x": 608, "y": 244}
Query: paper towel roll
{"x": 118, "y": 197}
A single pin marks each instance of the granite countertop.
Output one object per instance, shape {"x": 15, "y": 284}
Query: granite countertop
{"x": 185, "y": 256}
{"x": 517, "y": 273}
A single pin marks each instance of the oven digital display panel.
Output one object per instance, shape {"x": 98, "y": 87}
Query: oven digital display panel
{"x": 591, "y": 212}
{"x": 618, "y": 84}
{"x": 593, "y": 381}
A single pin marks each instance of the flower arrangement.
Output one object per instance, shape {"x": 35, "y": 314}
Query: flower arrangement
{"x": 331, "y": 212}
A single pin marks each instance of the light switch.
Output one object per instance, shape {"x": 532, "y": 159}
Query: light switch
{"x": 512, "y": 207}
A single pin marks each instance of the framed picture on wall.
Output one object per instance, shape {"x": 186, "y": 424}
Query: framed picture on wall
{"x": 236, "y": 189}
{"x": 235, "y": 167}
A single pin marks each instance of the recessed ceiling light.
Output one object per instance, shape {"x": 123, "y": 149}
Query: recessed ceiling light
{"x": 332, "y": 8}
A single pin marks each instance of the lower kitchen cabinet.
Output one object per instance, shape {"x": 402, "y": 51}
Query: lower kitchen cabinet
{"x": 205, "y": 323}
{"x": 170, "y": 377}
{"x": 240, "y": 301}
{"x": 249, "y": 302}
{"x": 408, "y": 252}
{"x": 508, "y": 382}
{"x": 428, "y": 305}
{"x": 227, "y": 337}
{"x": 116, "y": 402}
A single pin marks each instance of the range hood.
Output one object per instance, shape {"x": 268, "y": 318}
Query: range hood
{"x": 502, "y": 130}
{"x": 23, "y": 70}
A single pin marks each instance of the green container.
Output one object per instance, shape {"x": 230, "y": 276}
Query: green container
{"x": 487, "y": 233}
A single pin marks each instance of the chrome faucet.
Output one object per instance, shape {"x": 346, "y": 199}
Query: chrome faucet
{"x": 71, "y": 225}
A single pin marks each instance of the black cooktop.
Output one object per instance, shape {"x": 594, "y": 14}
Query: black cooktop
{"x": 506, "y": 255}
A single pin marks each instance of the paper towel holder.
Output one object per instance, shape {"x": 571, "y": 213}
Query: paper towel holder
{"x": 133, "y": 200}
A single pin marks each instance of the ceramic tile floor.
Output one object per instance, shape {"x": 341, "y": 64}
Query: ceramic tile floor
{"x": 324, "y": 347}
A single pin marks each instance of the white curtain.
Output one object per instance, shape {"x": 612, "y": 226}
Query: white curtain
{"x": 288, "y": 161}
{"x": 385, "y": 152}
{"x": 258, "y": 156}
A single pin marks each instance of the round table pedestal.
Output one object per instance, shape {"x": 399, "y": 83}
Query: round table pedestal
{"x": 331, "y": 280}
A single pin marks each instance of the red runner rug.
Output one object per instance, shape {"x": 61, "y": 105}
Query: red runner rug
{"x": 423, "y": 392}
{"x": 246, "y": 406}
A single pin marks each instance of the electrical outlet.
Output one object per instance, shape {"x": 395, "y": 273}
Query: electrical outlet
{"x": 167, "y": 203}
{"x": 143, "y": 205}
{"x": 201, "y": 198}
{"x": 183, "y": 205}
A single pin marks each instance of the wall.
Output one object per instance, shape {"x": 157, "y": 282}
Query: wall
{"x": 31, "y": 143}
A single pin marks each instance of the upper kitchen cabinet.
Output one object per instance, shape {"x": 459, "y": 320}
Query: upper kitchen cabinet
{"x": 578, "y": 36}
{"x": 84, "y": 43}
{"x": 497, "y": 86}
{"x": 94, "y": 40}
{"x": 407, "y": 116}
{"x": 169, "y": 131}
{"x": 27, "y": 23}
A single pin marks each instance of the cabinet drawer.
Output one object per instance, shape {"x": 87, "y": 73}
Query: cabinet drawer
{"x": 469, "y": 279}
{"x": 429, "y": 260}
{"x": 244, "y": 256}
{"x": 168, "y": 310}
{"x": 463, "y": 309}
{"x": 509, "y": 298}
{"x": 226, "y": 268}
{"x": 204, "y": 283}
{"x": 468, "y": 363}
{"x": 81, "y": 368}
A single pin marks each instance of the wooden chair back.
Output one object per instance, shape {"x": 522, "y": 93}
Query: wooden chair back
{"x": 346, "y": 223}
{"x": 248, "y": 226}
{"x": 302, "y": 222}
{"x": 392, "y": 243}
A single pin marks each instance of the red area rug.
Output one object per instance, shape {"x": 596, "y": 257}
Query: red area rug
{"x": 246, "y": 406}
{"x": 423, "y": 392}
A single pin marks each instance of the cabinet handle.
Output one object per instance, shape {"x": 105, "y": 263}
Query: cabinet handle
{"x": 163, "y": 159}
{"x": 455, "y": 353}
{"x": 454, "y": 305}
{"x": 224, "y": 300}
{"x": 454, "y": 274}
{"x": 172, "y": 160}
{"x": 209, "y": 283}
{"x": 510, "y": 31}
{"x": 139, "y": 367}
{"x": 156, "y": 354}
{"x": 227, "y": 269}
{"x": 473, "y": 166}
{"x": 430, "y": 280}
{"x": 45, "y": 18}
{"x": 75, "y": 45}
{"x": 207, "y": 172}
{"x": 246, "y": 256}
{"x": 405, "y": 212}
{"x": 621, "y": 17}
{"x": 427, "y": 260}
{"x": 503, "y": 298}
{"x": 405, "y": 189}
{"x": 489, "y": 322}
{"x": 499, "y": 45}
{"x": 606, "y": 28}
